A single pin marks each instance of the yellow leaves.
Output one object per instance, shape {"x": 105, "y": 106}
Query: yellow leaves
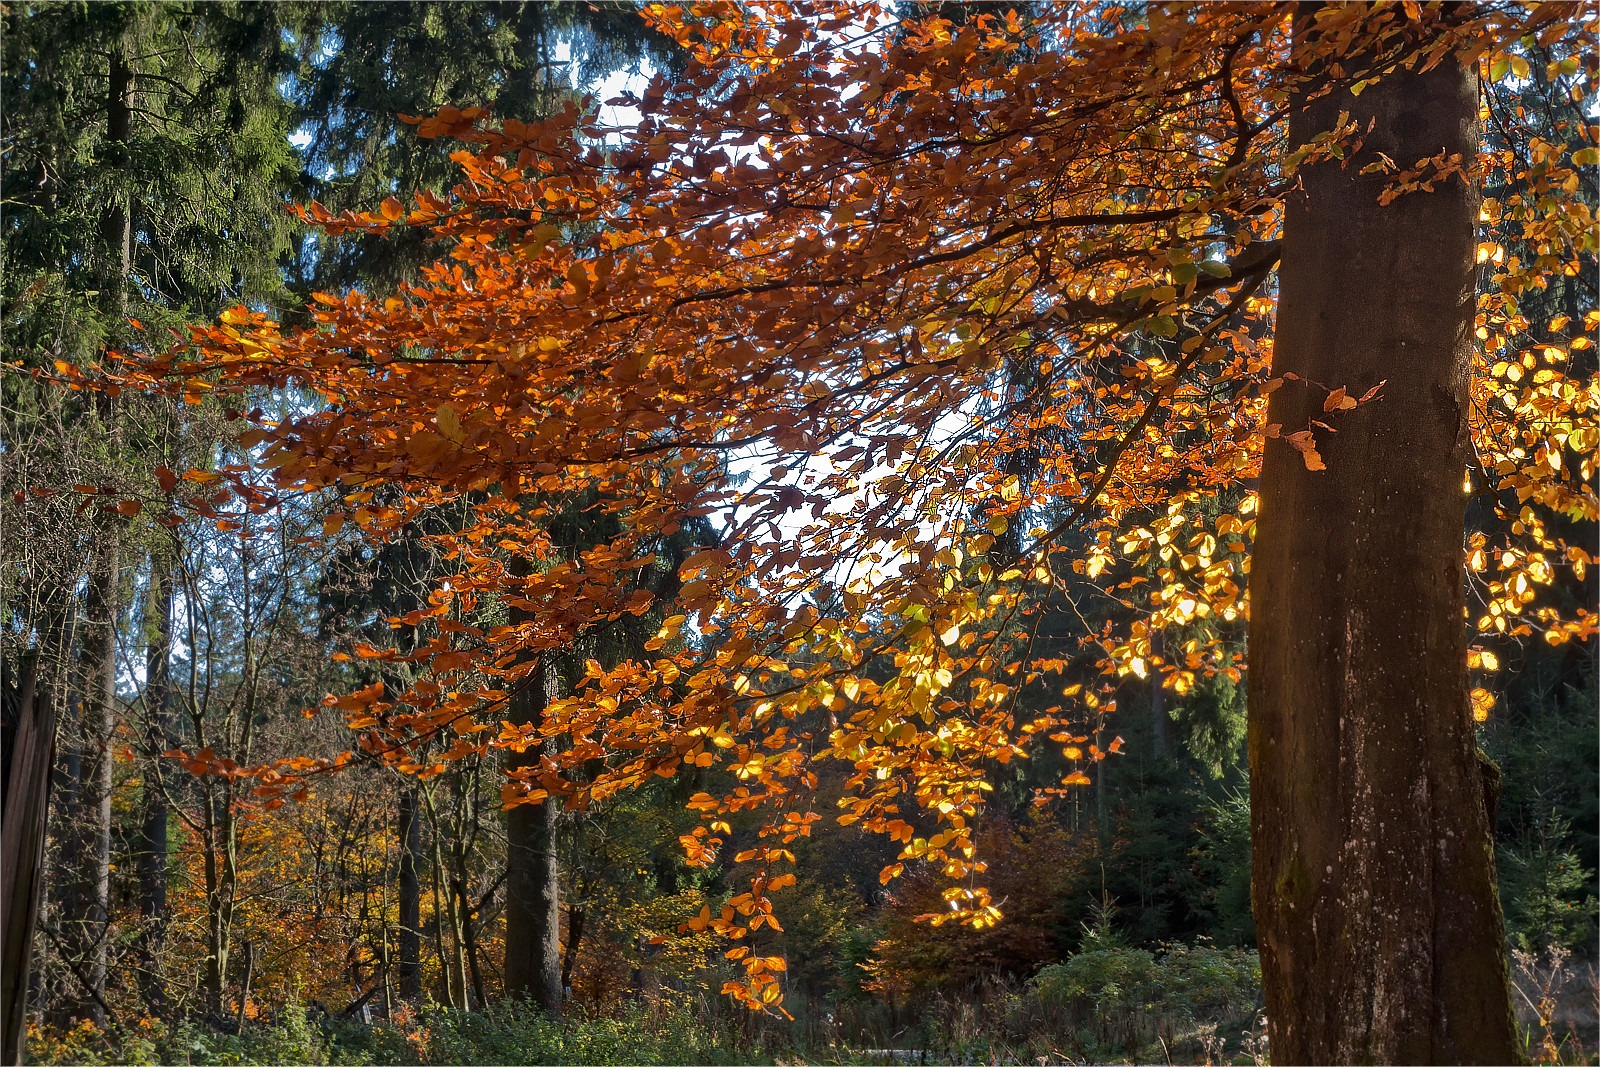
{"x": 669, "y": 630}
{"x": 1482, "y": 702}
{"x": 1579, "y": 559}
{"x": 448, "y": 420}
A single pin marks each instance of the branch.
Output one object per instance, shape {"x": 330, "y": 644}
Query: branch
{"x": 1137, "y": 428}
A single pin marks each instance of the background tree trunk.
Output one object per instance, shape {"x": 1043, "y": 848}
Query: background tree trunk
{"x": 409, "y": 941}
{"x": 1373, "y": 882}
{"x": 1158, "y": 699}
{"x": 152, "y": 844}
{"x": 88, "y": 928}
{"x": 533, "y": 913}
{"x": 86, "y": 922}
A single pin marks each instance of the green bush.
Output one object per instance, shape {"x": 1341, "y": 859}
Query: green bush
{"x": 1183, "y": 981}
{"x": 1548, "y": 893}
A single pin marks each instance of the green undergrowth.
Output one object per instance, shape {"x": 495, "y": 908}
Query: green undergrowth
{"x": 505, "y": 1033}
{"x": 1109, "y": 1003}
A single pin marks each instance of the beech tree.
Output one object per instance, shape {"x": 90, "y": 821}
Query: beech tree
{"x": 795, "y": 297}
{"x": 1371, "y": 812}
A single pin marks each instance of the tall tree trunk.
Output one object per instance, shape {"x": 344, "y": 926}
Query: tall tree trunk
{"x": 90, "y": 926}
{"x": 469, "y": 933}
{"x": 87, "y": 920}
{"x": 575, "y": 922}
{"x": 533, "y": 909}
{"x": 1373, "y": 871}
{"x": 219, "y": 889}
{"x": 445, "y": 916}
{"x": 152, "y": 843}
{"x": 62, "y": 873}
{"x": 116, "y": 222}
{"x": 409, "y": 939}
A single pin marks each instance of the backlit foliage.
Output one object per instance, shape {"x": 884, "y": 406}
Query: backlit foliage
{"x": 931, "y": 320}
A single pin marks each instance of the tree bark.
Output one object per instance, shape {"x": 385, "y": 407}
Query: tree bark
{"x": 575, "y": 922}
{"x": 1373, "y": 881}
{"x": 152, "y": 843}
{"x": 409, "y": 941}
{"x": 87, "y": 911}
{"x": 533, "y": 911}
{"x": 469, "y": 933}
{"x": 88, "y": 927}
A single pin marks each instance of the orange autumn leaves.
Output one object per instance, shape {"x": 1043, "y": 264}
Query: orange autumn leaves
{"x": 936, "y": 322}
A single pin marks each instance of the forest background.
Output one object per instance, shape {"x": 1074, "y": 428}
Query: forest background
{"x": 149, "y": 150}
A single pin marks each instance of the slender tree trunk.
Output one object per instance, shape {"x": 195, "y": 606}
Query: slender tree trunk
{"x": 533, "y": 906}
{"x": 244, "y": 987}
{"x": 1158, "y": 699}
{"x": 64, "y": 875}
{"x": 575, "y": 922}
{"x": 152, "y": 845}
{"x": 116, "y": 228}
{"x": 409, "y": 939}
{"x": 1102, "y": 825}
{"x": 384, "y": 959}
{"x": 222, "y": 886}
{"x": 98, "y": 722}
{"x": 438, "y": 924}
{"x": 86, "y": 918}
{"x": 469, "y": 933}
{"x": 216, "y": 962}
{"x": 1373, "y": 870}
{"x": 444, "y": 912}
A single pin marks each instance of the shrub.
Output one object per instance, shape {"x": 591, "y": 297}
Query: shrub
{"x": 1131, "y": 997}
{"x": 1192, "y": 982}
